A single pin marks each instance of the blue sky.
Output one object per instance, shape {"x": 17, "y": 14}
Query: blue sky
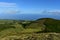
{"x": 29, "y": 6}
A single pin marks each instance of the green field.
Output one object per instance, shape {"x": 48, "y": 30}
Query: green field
{"x": 41, "y": 29}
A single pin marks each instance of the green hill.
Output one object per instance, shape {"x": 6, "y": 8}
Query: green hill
{"x": 41, "y": 25}
{"x": 46, "y": 25}
{"x": 51, "y": 25}
{"x": 40, "y": 29}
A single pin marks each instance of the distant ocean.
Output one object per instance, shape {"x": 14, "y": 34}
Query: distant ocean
{"x": 37, "y": 16}
{"x": 27, "y": 16}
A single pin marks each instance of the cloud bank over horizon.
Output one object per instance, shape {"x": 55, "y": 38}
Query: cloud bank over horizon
{"x": 45, "y": 12}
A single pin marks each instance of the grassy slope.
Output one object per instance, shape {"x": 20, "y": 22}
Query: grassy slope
{"x": 13, "y": 27}
{"x": 44, "y": 24}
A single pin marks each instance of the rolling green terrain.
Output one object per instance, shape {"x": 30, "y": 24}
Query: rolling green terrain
{"x": 40, "y": 29}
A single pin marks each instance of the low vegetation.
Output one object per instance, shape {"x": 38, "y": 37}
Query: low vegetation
{"x": 41, "y": 29}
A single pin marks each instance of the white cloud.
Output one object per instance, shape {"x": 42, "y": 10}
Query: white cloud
{"x": 10, "y": 12}
{"x": 10, "y": 8}
{"x": 51, "y": 12}
{"x": 6, "y": 4}
{"x": 55, "y": 12}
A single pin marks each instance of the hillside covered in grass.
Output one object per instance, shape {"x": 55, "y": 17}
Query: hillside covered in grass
{"x": 44, "y": 28}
